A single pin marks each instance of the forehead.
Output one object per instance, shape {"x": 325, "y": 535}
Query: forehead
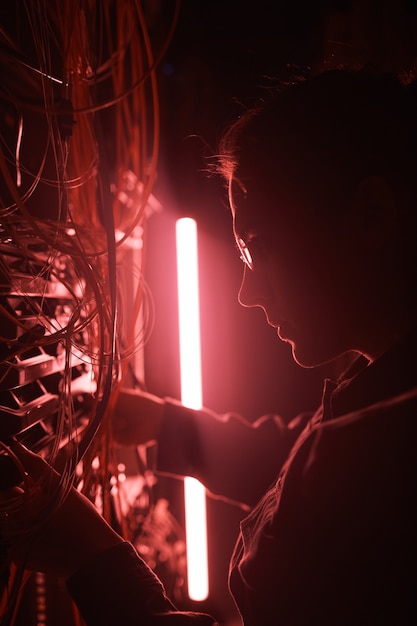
{"x": 244, "y": 213}
{"x": 287, "y": 224}
{"x": 258, "y": 210}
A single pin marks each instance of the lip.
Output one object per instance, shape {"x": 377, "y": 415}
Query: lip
{"x": 282, "y": 332}
{"x": 274, "y": 324}
{"x": 270, "y": 321}
{"x": 282, "y": 327}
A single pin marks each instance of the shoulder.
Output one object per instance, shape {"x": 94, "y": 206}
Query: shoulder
{"x": 362, "y": 464}
{"x": 385, "y": 428}
{"x": 347, "y": 513}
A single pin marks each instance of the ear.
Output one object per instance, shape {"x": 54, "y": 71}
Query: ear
{"x": 375, "y": 211}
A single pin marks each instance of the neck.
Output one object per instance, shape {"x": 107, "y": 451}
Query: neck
{"x": 385, "y": 334}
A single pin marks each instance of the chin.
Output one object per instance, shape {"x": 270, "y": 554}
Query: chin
{"x": 305, "y": 362}
{"x": 310, "y": 356}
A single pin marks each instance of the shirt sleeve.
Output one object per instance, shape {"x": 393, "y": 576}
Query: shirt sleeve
{"x": 232, "y": 457}
{"x": 117, "y": 588}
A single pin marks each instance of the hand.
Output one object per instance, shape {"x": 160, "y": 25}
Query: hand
{"x": 50, "y": 526}
{"x": 137, "y": 417}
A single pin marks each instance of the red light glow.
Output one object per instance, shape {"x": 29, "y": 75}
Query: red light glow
{"x": 191, "y": 396}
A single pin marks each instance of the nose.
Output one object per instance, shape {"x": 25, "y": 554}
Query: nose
{"x": 253, "y": 290}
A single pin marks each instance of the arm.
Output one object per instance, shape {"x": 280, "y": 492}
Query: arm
{"x": 231, "y": 456}
{"x": 118, "y": 588}
{"x": 107, "y": 579}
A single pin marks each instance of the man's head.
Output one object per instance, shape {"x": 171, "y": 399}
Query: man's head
{"x": 320, "y": 182}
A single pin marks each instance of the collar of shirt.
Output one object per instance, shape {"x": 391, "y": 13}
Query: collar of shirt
{"x": 394, "y": 373}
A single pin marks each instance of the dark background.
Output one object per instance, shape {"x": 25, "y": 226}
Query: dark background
{"x": 222, "y": 57}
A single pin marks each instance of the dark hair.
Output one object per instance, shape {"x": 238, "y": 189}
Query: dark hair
{"x": 326, "y": 133}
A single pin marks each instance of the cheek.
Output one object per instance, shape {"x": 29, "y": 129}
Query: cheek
{"x": 310, "y": 284}
{"x": 320, "y": 299}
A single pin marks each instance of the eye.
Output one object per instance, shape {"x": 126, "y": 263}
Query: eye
{"x": 245, "y": 255}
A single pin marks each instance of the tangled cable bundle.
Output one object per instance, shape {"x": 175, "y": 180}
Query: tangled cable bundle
{"x": 78, "y": 153}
